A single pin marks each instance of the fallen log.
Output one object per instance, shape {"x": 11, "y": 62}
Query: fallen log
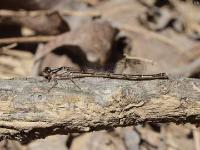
{"x": 29, "y": 110}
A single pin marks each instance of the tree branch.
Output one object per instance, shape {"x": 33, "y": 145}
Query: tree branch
{"x": 28, "y": 111}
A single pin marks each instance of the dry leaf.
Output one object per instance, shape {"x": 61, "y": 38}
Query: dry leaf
{"x": 91, "y": 42}
{"x": 98, "y": 141}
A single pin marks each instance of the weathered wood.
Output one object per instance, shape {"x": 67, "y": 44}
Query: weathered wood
{"x": 28, "y": 111}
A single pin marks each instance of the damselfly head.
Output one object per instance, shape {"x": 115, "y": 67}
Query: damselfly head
{"x": 46, "y": 73}
{"x": 47, "y": 70}
{"x": 196, "y": 2}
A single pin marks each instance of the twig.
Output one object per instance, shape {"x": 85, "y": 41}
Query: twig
{"x": 10, "y": 46}
{"x": 138, "y": 58}
{"x": 34, "y": 39}
{"x": 23, "y": 13}
{"x": 28, "y": 111}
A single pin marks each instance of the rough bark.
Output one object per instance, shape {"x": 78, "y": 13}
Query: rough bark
{"x": 29, "y": 111}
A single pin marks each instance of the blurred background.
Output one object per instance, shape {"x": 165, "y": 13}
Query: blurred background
{"x": 129, "y": 36}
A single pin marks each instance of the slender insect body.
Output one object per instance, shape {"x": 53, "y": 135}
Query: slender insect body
{"x": 68, "y": 73}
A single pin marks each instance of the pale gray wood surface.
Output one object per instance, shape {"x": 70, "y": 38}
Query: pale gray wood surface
{"x": 28, "y": 111}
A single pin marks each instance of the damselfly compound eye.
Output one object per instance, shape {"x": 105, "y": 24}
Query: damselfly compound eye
{"x": 196, "y": 2}
{"x": 47, "y": 70}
